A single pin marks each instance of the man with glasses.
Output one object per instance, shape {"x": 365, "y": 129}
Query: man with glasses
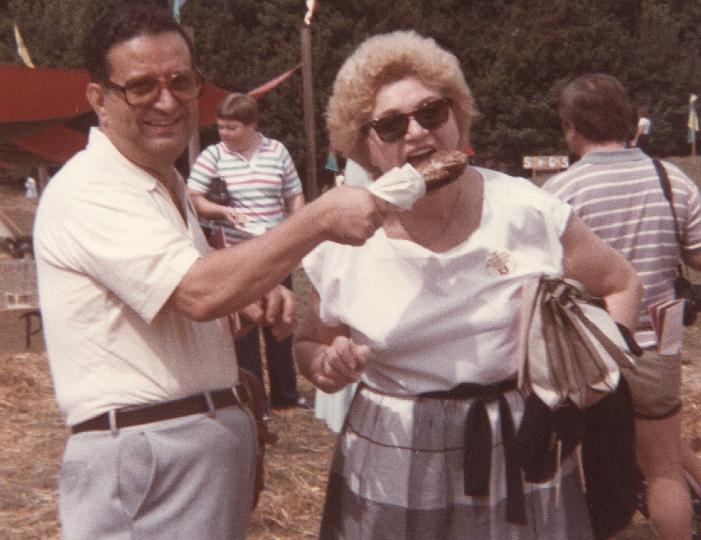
{"x": 131, "y": 297}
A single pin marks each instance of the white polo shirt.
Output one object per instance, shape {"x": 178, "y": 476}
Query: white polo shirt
{"x": 111, "y": 247}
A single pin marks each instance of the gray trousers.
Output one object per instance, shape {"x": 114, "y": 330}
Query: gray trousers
{"x": 191, "y": 477}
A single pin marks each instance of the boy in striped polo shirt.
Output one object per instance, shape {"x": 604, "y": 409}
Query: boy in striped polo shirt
{"x": 263, "y": 188}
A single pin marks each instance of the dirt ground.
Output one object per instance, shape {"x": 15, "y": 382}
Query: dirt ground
{"x": 32, "y": 436}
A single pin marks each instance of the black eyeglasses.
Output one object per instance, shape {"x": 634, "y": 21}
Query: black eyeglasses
{"x": 185, "y": 86}
{"x": 393, "y": 127}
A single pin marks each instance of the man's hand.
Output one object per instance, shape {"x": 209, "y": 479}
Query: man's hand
{"x": 277, "y": 309}
{"x": 340, "y": 364}
{"x": 280, "y": 307}
{"x": 351, "y": 215}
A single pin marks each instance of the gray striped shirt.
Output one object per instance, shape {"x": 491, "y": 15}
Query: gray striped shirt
{"x": 619, "y": 196}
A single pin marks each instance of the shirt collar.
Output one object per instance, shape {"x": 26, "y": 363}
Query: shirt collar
{"x": 100, "y": 143}
{"x": 616, "y": 156}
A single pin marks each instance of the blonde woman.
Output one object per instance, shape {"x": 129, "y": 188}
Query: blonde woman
{"x": 425, "y": 315}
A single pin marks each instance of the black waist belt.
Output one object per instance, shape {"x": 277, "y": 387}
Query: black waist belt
{"x": 166, "y": 410}
{"x": 478, "y": 443}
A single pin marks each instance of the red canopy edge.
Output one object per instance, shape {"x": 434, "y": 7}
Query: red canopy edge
{"x": 36, "y": 103}
{"x": 33, "y": 94}
{"x": 28, "y": 95}
{"x": 56, "y": 143}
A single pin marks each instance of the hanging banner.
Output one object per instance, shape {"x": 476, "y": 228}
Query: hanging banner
{"x": 693, "y": 122}
{"x": 22, "y": 48}
{"x": 311, "y": 6}
{"x": 267, "y": 87}
{"x": 177, "y": 4}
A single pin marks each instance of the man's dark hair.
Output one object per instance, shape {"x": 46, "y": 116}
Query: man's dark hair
{"x": 598, "y": 107}
{"x": 122, "y": 24}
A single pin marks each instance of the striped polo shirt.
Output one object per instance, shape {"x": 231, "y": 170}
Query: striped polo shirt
{"x": 258, "y": 187}
{"x": 619, "y": 196}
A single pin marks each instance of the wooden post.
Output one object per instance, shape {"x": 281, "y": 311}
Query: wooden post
{"x": 312, "y": 190}
{"x": 193, "y": 144}
{"x": 43, "y": 179}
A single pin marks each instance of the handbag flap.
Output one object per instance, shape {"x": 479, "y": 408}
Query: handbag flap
{"x": 570, "y": 348}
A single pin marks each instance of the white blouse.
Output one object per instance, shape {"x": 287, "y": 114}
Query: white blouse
{"x": 434, "y": 320}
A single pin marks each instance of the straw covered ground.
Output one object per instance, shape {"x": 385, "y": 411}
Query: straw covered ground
{"x": 32, "y": 438}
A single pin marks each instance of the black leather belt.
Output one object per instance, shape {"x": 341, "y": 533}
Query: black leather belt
{"x": 166, "y": 410}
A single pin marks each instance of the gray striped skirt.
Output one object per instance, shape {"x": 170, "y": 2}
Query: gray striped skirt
{"x": 398, "y": 473}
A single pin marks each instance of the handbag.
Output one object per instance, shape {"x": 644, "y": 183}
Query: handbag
{"x": 263, "y": 436}
{"x": 683, "y": 287}
{"x": 218, "y": 192}
{"x": 255, "y": 406}
{"x": 571, "y": 350}
{"x": 572, "y": 357}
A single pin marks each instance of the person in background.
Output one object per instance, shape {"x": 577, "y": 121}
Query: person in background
{"x": 425, "y": 315}
{"x": 264, "y": 189}
{"x": 642, "y": 133}
{"x": 617, "y": 193}
{"x": 132, "y": 298}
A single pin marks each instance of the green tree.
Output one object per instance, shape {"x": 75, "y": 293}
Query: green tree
{"x": 516, "y": 56}
{"x": 662, "y": 76}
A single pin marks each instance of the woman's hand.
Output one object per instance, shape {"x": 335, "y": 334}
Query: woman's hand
{"x": 339, "y": 364}
{"x": 325, "y": 354}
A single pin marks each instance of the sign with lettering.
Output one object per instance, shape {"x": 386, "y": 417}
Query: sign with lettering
{"x": 546, "y": 163}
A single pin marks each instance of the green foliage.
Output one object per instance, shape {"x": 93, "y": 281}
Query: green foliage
{"x": 53, "y": 30}
{"x": 516, "y": 57}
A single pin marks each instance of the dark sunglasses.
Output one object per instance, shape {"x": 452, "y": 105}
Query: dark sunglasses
{"x": 393, "y": 127}
{"x": 184, "y": 86}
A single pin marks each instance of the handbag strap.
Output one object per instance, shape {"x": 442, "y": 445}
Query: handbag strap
{"x": 667, "y": 190}
{"x": 568, "y": 294}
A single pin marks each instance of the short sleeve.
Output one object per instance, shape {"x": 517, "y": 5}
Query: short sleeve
{"x": 692, "y": 227}
{"x": 204, "y": 170}
{"x": 324, "y": 276}
{"x": 291, "y": 184}
{"x": 557, "y": 212}
{"x": 128, "y": 244}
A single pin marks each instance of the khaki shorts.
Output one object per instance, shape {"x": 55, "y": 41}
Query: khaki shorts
{"x": 655, "y": 385}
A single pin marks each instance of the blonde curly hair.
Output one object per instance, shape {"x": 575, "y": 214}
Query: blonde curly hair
{"x": 383, "y": 59}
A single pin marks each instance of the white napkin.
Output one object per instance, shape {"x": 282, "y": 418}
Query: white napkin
{"x": 401, "y": 187}
{"x": 251, "y": 229}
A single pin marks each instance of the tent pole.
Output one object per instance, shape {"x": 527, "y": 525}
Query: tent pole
{"x": 308, "y": 101}
{"x": 43, "y": 174}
